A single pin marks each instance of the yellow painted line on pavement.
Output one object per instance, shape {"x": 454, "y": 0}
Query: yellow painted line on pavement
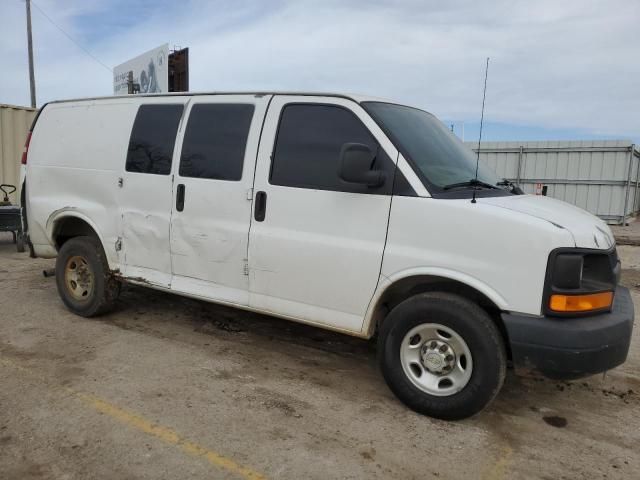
{"x": 143, "y": 425}
{"x": 498, "y": 469}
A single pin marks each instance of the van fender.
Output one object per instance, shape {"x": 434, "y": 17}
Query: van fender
{"x": 67, "y": 212}
{"x": 368, "y": 326}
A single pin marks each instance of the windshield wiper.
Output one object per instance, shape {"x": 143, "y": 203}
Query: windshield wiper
{"x": 470, "y": 183}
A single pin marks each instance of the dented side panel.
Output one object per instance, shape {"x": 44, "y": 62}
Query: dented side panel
{"x": 145, "y": 231}
{"x": 145, "y": 204}
{"x": 209, "y": 237}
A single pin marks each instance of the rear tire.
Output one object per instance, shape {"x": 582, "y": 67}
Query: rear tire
{"x": 442, "y": 355}
{"x": 83, "y": 278}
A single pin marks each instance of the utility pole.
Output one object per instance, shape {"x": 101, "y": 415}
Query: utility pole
{"x": 32, "y": 77}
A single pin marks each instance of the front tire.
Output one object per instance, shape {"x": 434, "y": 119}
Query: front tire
{"x": 84, "y": 281}
{"x": 442, "y": 355}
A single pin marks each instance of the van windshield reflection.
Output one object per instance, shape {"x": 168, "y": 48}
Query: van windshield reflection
{"x": 441, "y": 158}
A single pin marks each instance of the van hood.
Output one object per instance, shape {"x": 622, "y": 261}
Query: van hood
{"x": 588, "y": 231}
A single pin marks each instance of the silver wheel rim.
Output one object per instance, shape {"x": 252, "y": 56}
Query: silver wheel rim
{"x": 436, "y": 359}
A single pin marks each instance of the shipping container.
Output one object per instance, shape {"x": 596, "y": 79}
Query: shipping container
{"x": 14, "y": 126}
{"x": 600, "y": 176}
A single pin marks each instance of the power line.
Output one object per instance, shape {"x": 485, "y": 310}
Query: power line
{"x": 69, "y": 36}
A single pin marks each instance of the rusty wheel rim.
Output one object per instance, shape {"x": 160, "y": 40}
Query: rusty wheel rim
{"x": 79, "y": 278}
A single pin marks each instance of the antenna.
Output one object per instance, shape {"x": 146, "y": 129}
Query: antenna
{"x": 484, "y": 95}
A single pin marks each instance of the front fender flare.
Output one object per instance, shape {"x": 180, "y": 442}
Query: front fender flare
{"x": 385, "y": 282}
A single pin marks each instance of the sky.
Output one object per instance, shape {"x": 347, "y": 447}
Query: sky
{"x": 558, "y": 69}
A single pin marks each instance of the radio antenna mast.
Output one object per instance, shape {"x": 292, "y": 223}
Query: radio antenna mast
{"x": 484, "y": 96}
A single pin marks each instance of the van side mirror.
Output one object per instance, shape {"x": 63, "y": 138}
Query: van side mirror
{"x": 356, "y": 162}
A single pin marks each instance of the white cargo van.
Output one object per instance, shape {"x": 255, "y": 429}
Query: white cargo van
{"x": 344, "y": 212}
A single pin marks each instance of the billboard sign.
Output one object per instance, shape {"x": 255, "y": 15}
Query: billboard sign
{"x": 150, "y": 71}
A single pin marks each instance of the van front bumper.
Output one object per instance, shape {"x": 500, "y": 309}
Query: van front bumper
{"x": 569, "y": 348}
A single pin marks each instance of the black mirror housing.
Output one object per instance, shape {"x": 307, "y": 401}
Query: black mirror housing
{"x": 356, "y": 162}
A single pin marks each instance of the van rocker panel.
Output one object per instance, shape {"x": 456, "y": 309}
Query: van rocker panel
{"x": 569, "y": 348}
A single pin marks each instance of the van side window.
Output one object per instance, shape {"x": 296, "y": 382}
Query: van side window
{"x": 308, "y": 144}
{"x": 215, "y": 140}
{"x": 152, "y": 139}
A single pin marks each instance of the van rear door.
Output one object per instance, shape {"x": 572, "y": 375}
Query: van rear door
{"x": 146, "y": 186}
{"x": 212, "y": 196}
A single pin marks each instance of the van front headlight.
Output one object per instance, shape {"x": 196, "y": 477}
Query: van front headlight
{"x": 580, "y": 281}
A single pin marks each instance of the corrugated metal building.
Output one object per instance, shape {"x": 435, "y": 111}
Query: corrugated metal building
{"x": 600, "y": 176}
{"x": 14, "y": 125}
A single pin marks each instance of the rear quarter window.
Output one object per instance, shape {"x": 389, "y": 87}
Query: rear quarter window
{"x": 153, "y": 138}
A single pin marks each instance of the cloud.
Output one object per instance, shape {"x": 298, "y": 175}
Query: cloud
{"x": 564, "y": 65}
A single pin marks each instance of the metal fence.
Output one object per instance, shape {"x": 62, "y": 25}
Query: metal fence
{"x": 601, "y": 177}
{"x": 14, "y": 125}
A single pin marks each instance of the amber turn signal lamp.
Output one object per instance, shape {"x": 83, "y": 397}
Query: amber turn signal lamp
{"x": 580, "y": 303}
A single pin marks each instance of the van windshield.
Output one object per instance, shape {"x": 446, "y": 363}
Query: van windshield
{"x": 441, "y": 158}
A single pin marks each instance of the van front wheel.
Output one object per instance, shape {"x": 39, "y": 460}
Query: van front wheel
{"x": 84, "y": 281}
{"x": 442, "y": 355}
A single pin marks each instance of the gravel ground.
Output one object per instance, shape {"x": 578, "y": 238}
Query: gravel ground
{"x": 167, "y": 388}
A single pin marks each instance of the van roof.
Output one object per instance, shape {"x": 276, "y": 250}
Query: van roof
{"x": 355, "y": 97}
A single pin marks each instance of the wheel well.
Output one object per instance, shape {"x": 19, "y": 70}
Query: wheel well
{"x": 69, "y": 227}
{"x": 408, "y": 287}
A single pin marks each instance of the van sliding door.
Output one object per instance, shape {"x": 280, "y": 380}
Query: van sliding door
{"x": 145, "y": 194}
{"x": 212, "y": 196}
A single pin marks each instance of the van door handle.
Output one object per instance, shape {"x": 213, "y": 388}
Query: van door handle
{"x": 261, "y": 206}
{"x": 180, "y": 198}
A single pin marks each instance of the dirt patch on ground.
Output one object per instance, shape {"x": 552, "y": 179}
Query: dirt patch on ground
{"x": 286, "y": 400}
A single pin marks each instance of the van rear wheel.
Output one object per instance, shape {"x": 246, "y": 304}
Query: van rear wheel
{"x": 84, "y": 281}
{"x": 442, "y": 355}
